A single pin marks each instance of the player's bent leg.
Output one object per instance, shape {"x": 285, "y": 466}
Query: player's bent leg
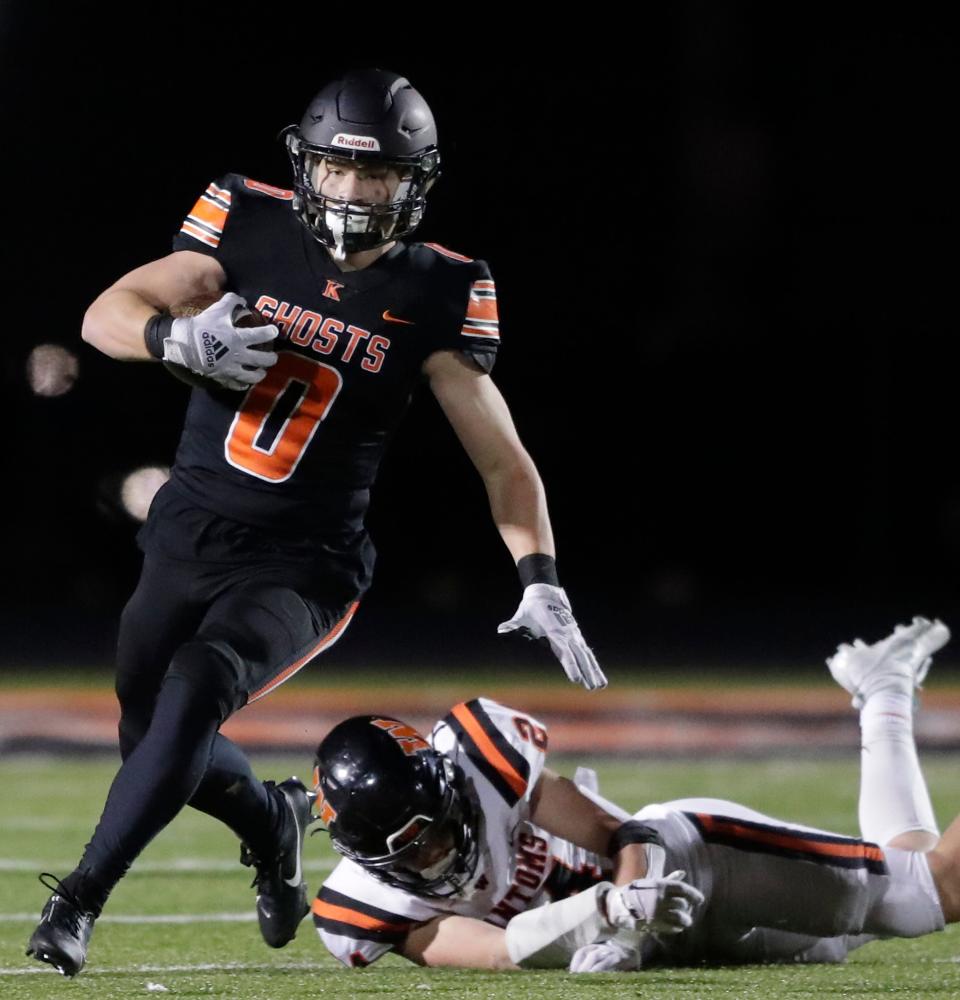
{"x": 151, "y": 787}
{"x": 906, "y": 902}
{"x": 269, "y": 631}
{"x": 163, "y": 772}
{"x": 765, "y": 872}
{"x": 768, "y": 946}
{"x": 895, "y": 805}
{"x": 157, "y": 620}
{"x": 944, "y": 862}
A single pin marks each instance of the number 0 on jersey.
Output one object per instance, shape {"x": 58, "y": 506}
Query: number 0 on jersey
{"x": 279, "y": 417}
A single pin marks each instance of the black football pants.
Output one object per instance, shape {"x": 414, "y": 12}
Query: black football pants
{"x": 197, "y": 642}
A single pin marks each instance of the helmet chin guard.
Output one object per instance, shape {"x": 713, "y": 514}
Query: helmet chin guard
{"x": 371, "y": 116}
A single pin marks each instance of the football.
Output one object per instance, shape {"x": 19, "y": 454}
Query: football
{"x": 242, "y": 316}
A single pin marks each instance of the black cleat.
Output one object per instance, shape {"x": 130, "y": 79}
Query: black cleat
{"x": 281, "y": 889}
{"x": 62, "y": 936}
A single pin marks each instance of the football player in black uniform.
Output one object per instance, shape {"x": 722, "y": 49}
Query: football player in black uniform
{"x": 256, "y": 552}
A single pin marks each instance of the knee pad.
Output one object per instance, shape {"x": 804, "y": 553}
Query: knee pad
{"x": 213, "y": 670}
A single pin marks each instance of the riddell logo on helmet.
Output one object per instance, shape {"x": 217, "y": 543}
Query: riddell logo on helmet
{"x": 356, "y": 142}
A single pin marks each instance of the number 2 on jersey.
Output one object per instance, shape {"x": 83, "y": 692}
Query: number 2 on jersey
{"x": 279, "y": 417}
{"x": 530, "y": 732}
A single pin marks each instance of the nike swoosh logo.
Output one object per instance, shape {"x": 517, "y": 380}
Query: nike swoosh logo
{"x": 390, "y": 318}
{"x": 297, "y": 875}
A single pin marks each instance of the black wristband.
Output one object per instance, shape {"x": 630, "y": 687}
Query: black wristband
{"x": 632, "y": 832}
{"x": 537, "y": 568}
{"x": 156, "y": 331}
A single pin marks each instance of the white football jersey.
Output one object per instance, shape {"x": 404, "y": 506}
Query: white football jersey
{"x": 501, "y": 752}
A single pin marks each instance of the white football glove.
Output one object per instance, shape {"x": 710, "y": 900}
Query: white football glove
{"x": 545, "y": 614}
{"x": 608, "y": 956}
{"x": 209, "y": 344}
{"x": 656, "y": 905}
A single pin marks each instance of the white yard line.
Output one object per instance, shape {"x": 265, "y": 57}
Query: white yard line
{"x": 151, "y": 867}
{"x": 38, "y": 970}
{"x": 151, "y": 918}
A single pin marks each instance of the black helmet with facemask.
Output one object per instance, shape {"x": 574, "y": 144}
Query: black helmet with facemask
{"x": 371, "y": 116}
{"x": 397, "y": 807}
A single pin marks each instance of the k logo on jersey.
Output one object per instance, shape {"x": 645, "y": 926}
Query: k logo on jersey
{"x": 410, "y": 740}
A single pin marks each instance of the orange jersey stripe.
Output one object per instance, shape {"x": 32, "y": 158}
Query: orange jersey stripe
{"x": 482, "y": 309}
{"x": 448, "y": 253}
{"x": 345, "y": 915}
{"x": 792, "y": 841}
{"x": 219, "y": 192}
{"x": 210, "y": 213}
{"x": 282, "y": 193}
{"x": 328, "y": 640}
{"x": 476, "y": 331}
{"x": 199, "y": 234}
{"x": 510, "y": 775}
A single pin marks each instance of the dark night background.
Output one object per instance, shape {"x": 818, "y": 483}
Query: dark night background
{"x": 725, "y": 250}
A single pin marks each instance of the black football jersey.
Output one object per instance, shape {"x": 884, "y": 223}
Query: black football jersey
{"x": 298, "y": 452}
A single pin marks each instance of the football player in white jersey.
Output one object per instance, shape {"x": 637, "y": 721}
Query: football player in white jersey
{"x": 464, "y": 850}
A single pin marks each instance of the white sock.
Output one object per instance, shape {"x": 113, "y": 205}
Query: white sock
{"x": 893, "y": 793}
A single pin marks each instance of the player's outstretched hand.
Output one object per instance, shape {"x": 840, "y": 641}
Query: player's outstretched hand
{"x": 659, "y": 905}
{"x": 209, "y": 344}
{"x": 545, "y": 614}
{"x": 608, "y": 956}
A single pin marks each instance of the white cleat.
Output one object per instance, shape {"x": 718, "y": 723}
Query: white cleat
{"x": 904, "y": 655}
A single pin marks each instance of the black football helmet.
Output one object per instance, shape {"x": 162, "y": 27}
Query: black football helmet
{"x": 397, "y": 807}
{"x": 369, "y": 115}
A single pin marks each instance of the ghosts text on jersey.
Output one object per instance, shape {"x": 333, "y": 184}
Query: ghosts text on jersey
{"x": 328, "y": 336}
{"x": 532, "y": 856}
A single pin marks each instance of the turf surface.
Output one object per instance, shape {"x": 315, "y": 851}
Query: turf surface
{"x": 202, "y": 940}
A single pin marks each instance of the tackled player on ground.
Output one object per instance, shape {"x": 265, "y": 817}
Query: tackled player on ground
{"x": 465, "y": 850}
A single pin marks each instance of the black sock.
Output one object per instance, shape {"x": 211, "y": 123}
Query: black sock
{"x": 231, "y": 792}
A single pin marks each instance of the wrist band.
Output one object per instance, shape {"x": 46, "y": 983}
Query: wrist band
{"x": 156, "y": 331}
{"x": 537, "y": 568}
{"x": 632, "y": 832}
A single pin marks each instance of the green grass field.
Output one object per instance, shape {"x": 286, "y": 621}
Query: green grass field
{"x": 182, "y": 921}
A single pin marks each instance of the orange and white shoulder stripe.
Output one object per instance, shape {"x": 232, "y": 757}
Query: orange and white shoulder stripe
{"x": 491, "y": 752}
{"x": 208, "y": 216}
{"x": 282, "y": 193}
{"x": 337, "y": 913}
{"x": 482, "y": 319}
{"x": 444, "y": 252}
